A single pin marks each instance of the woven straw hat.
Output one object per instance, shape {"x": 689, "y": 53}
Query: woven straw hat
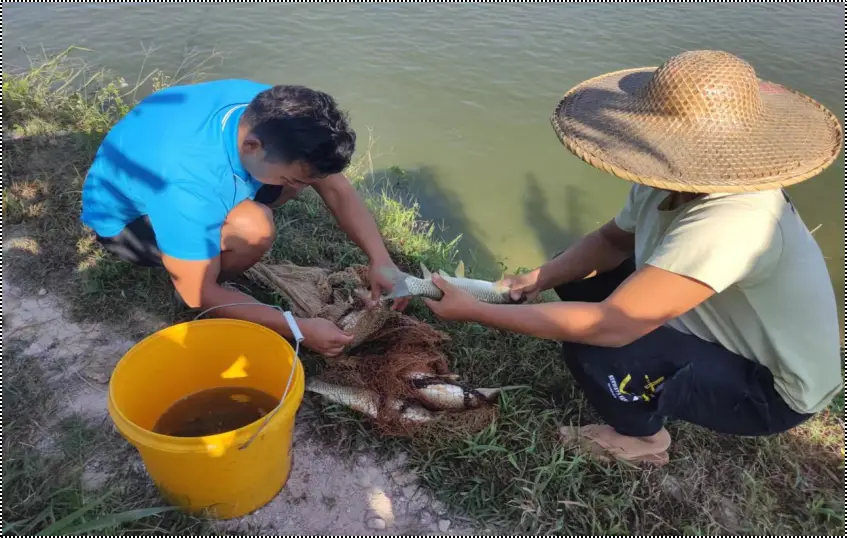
{"x": 702, "y": 122}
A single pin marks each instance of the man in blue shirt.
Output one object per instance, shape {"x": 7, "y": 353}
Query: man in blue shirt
{"x": 188, "y": 179}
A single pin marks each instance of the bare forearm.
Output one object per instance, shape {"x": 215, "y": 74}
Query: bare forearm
{"x": 586, "y": 323}
{"x": 254, "y": 311}
{"x": 356, "y": 221}
{"x": 593, "y": 253}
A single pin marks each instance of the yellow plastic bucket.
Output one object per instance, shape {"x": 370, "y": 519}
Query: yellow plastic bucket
{"x": 220, "y": 476}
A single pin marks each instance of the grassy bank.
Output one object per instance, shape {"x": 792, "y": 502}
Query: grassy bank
{"x": 514, "y": 475}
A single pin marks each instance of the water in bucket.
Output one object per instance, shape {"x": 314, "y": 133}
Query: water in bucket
{"x": 214, "y": 411}
{"x": 220, "y": 475}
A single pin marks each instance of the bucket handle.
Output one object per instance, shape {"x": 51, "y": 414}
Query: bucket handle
{"x": 298, "y": 337}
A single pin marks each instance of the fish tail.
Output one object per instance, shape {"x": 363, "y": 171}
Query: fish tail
{"x": 361, "y": 400}
{"x": 398, "y": 281}
{"x": 405, "y": 285}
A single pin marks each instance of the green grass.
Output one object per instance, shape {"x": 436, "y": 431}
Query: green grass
{"x": 515, "y": 475}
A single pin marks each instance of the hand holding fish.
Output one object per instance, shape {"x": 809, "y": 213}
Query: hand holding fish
{"x": 379, "y": 282}
{"x": 523, "y": 286}
{"x": 455, "y": 304}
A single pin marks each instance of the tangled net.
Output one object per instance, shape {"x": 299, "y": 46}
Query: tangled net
{"x": 388, "y": 348}
{"x": 317, "y": 293}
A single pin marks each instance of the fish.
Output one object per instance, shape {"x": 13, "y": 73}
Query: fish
{"x": 406, "y": 285}
{"x": 366, "y": 402}
{"x": 412, "y": 376}
{"x": 435, "y": 393}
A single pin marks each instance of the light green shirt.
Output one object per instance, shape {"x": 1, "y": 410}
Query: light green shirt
{"x": 774, "y": 301}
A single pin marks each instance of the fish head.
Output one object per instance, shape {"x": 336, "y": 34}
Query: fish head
{"x": 503, "y": 290}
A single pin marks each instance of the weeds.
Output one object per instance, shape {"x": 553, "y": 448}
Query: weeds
{"x": 515, "y": 475}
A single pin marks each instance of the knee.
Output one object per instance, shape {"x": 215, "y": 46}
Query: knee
{"x": 250, "y": 223}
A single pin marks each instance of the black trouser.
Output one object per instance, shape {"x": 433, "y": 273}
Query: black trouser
{"x": 136, "y": 243}
{"x": 669, "y": 374}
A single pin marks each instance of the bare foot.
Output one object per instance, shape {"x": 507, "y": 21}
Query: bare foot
{"x": 603, "y": 442}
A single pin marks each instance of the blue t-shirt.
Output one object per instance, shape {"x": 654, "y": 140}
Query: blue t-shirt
{"x": 174, "y": 158}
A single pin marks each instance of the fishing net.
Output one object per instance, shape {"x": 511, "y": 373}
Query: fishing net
{"x": 388, "y": 350}
{"x": 314, "y": 292}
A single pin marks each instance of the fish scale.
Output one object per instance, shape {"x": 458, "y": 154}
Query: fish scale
{"x": 406, "y": 285}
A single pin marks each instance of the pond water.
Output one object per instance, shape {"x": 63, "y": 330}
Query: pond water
{"x": 461, "y": 95}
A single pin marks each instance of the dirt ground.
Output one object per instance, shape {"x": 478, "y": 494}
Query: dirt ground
{"x": 325, "y": 493}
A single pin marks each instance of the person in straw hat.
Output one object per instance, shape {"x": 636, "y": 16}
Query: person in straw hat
{"x": 706, "y": 299}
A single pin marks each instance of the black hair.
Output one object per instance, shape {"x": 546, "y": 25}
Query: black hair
{"x": 295, "y": 123}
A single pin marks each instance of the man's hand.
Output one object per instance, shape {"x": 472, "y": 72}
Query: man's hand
{"x": 379, "y": 283}
{"x": 525, "y": 285}
{"x": 356, "y": 220}
{"x": 455, "y": 305}
{"x": 323, "y": 336}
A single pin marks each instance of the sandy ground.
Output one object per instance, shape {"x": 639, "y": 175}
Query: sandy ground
{"x": 325, "y": 492}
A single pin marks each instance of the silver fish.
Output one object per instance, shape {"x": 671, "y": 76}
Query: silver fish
{"x": 406, "y": 285}
{"x": 365, "y": 401}
{"x": 438, "y": 394}
{"x": 412, "y": 376}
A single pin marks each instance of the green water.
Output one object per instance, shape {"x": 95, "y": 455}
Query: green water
{"x": 462, "y": 94}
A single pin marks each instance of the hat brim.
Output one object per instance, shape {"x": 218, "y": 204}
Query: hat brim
{"x": 601, "y": 122}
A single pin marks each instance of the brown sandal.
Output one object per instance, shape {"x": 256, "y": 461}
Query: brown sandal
{"x": 586, "y": 437}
